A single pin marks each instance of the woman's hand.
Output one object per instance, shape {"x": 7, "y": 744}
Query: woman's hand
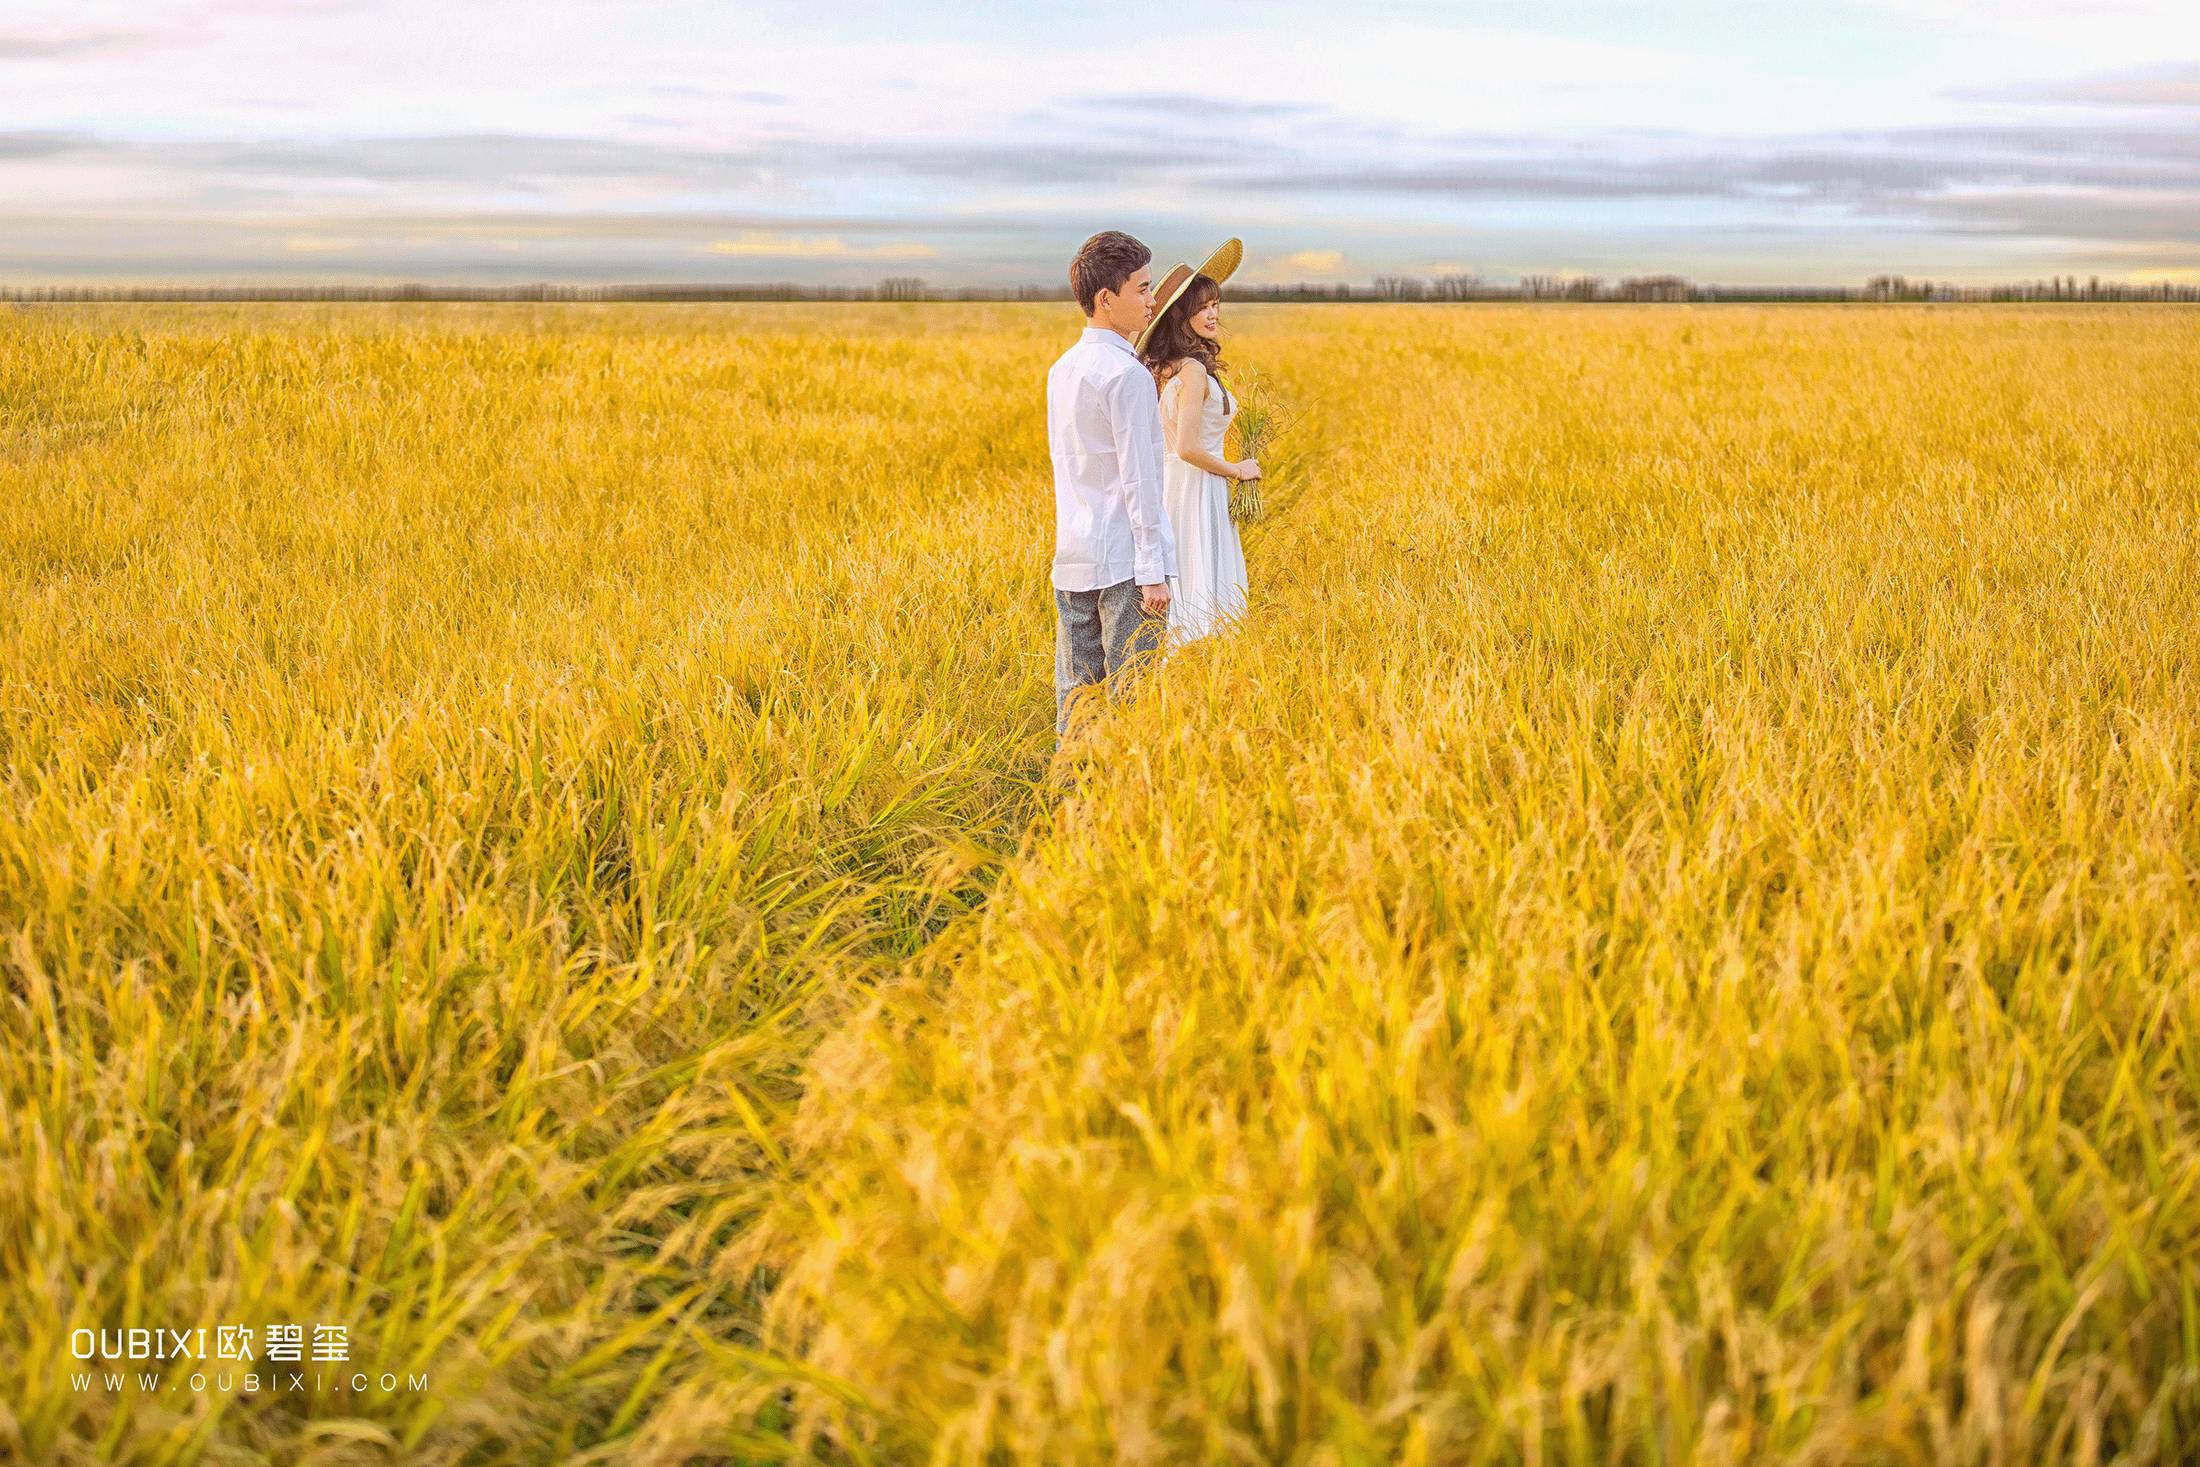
{"x": 1244, "y": 469}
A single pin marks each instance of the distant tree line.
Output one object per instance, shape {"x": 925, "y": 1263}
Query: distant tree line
{"x": 1587, "y": 288}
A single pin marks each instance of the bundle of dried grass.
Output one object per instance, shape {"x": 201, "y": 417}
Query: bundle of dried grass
{"x": 1262, "y": 418}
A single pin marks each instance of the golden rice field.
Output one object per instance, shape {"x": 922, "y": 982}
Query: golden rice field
{"x": 1670, "y": 938}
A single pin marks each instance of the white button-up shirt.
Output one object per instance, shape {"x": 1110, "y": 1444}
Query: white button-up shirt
{"x": 1104, "y": 432}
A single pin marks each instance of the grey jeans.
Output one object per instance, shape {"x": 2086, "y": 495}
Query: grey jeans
{"x": 1096, "y": 633}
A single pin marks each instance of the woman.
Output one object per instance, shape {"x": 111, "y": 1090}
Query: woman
{"x": 1181, "y": 346}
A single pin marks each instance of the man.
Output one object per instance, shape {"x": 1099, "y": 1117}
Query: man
{"x": 1113, "y": 554}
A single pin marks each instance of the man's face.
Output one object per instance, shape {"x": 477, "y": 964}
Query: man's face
{"x": 1127, "y": 311}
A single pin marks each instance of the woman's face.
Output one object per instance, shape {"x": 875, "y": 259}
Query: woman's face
{"x": 1207, "y": 320}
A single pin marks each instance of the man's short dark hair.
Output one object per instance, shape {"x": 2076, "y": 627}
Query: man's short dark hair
{"x": 1104, "y": 262}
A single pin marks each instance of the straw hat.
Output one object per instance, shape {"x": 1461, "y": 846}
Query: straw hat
{"x": 1218, "y": 267}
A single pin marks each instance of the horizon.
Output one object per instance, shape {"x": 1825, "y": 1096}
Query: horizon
{"x": 1542, "y": 287}
{"x": 385, "y": 143}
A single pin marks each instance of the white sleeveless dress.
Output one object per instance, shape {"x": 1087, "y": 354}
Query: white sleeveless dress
{"x": 1210, "y": 563}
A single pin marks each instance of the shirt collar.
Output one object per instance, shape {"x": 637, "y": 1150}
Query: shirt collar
{"x": 1103, "y": 334}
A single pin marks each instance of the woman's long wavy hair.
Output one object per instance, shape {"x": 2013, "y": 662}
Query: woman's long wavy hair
{"x": 1173, "y": 338}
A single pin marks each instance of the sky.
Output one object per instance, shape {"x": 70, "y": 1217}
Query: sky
{"x": 976, "y": 143}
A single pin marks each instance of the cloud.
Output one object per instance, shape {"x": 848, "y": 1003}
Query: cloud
{"x": 2175, "y": 85}
{"x": 2105, "y": 217}
{"x": 40, "y": 144}
{"x": 683, "y": 225}
{"x": 1178, "y": 106}
{"x": 1315, "y": 262}
{"x": 1944, "y": 173}
{"x": 476, "y": 158}
{"x": 1084, "y": 164}
{"x": 19, "y": 45}
{"x": 1557, "y": 176}
{"x": 771, "y": 245}
{"x": 503, "y": 162}
{"x": 686, "y": 92}
{"x": 318, "y": 244}
{"x": 1930, "y": 172}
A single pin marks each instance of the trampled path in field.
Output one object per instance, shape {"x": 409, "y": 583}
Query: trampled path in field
{"x": 457, "y": 760}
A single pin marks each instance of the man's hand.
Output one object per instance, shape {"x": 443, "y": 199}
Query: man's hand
{"x": 1154, "y": 600}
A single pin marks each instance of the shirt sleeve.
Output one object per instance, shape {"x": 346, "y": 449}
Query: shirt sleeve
{"x": 1137, "y": 418}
